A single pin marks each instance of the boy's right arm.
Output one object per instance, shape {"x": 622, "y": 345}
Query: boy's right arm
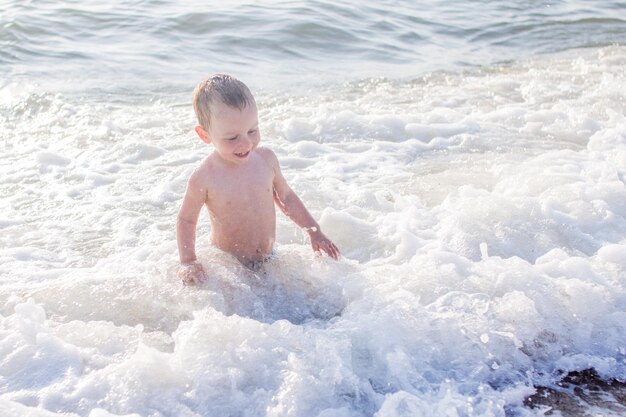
{"x": 191, "y": 271}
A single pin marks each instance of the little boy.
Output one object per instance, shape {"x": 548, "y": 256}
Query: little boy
{"x": 239, "y": 182}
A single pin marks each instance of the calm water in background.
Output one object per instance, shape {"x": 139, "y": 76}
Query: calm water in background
{"x": 158, "y": 44}
{"x": 467, "y": 157}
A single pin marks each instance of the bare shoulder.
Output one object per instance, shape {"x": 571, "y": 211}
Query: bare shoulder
{"x": 268, "y": 155}
{"x": 201, "y": 177}
{"x": 197, "y": 192}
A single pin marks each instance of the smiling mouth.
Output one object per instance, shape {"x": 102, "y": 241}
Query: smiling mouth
{"x": 242, "y": 155}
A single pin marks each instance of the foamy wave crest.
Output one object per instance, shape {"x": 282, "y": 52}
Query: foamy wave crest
{"x": 480, "y": 213}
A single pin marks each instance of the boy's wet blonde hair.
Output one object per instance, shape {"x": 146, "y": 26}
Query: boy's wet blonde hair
{"x": 219, "y": 88}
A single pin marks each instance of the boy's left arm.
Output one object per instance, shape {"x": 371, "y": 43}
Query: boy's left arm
{"x": 290, "y": 204}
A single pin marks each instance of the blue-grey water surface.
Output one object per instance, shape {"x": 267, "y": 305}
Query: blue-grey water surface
{"x": 156, "y": 43}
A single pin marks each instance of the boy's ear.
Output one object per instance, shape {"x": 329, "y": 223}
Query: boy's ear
{"x": 204, "y": 135}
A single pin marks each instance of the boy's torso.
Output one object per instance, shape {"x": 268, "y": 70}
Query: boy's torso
{"x": 240, "y": 200}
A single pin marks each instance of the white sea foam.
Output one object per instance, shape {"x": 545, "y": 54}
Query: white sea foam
{"x": 481, "y": 214}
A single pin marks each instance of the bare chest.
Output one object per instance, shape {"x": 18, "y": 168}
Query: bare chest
{"x": 244, "y": 189}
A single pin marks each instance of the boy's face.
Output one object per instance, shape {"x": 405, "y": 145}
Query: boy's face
{"x": 234, "y": 133}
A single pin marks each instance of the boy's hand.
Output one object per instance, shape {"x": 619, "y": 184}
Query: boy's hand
{"x": 192, "y": 273}
{"x": 320, "y": 242}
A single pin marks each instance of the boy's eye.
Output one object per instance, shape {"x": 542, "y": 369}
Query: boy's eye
{"x": 252, "y": 132}
{"x": 233, "y": 138}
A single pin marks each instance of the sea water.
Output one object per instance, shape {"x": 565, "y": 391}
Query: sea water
{"x": 468, "y": 158}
